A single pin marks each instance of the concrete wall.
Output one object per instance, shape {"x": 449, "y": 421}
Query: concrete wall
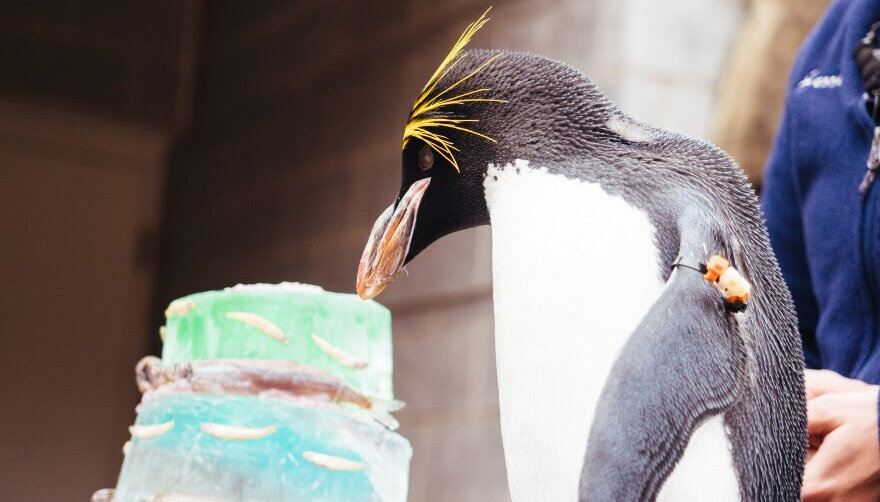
{"x": 668, "y": 59}
{"x": 294, "y": 151}
{"x": 754, "y": 81}
{"x": 90, "y": 92}
{"x": 78, "y": 241}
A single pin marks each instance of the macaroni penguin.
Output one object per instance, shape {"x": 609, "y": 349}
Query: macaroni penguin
{"x": 623, "y": 374}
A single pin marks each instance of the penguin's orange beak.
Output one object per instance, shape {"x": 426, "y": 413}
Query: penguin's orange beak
{"x": 389, "y": 242}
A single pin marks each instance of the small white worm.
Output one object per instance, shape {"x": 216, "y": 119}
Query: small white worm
{"x": 342, "y": 357}
{"x": 179, "y": 497}
{"x": 331, "y": 462}
{"x": 236, "y": 433}
{"x": 150, "y": 431}
{"x": 260, "y": 323}
{"x": 179, "y": 307}
{"x": 104, "y": 495}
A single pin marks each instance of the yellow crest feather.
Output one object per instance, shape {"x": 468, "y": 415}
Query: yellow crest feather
{"x": 425, "y": 127}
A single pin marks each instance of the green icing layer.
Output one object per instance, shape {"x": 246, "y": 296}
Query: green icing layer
{"x": 336, "y": 332}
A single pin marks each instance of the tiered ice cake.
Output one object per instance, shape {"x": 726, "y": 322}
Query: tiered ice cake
{"x": 268, "y": 393}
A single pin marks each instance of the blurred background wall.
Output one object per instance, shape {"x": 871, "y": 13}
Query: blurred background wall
{"x": 153, "y": 149}
{"x": 751, "y": 91}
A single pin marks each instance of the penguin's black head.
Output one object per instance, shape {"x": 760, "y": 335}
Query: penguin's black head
{"x": 480, "y": 107}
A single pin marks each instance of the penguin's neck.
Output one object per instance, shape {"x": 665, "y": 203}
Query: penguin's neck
{"x": 574, "y": 271}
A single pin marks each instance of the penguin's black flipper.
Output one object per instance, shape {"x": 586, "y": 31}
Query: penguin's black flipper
{"x": 683, "y": 364}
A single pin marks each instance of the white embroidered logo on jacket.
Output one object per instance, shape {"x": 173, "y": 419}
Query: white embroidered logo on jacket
{"x": 816, "y": 81}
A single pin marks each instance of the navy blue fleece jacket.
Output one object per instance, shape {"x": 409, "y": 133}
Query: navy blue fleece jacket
{"x": 825, "y": 233}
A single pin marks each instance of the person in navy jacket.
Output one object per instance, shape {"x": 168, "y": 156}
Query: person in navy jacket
{"x": 826, "y": 234}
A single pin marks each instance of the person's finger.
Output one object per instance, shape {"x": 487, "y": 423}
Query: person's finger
{"x": 810, "y": 452}
{"x": 819, "y": 382}
{"x": 818, "y": 484}
{"x": 812, "y": 492}
{"x": 822, "y": 416}
{"x": 846, "y": 465}
{"x": 816, "y": 491}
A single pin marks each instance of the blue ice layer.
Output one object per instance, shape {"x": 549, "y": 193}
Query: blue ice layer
{"x": 186, "y": 460}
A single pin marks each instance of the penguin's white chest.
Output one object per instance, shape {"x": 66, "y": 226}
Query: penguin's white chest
{"x": 574, "y": 270}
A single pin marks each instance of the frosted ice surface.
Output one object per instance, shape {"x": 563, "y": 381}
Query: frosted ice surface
{"x": 187, "y": 460}
{"x": 283, "y": 286}
{"x": 270, "y": 322}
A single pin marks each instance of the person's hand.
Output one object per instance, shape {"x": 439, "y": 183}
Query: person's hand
{"x": 843, "y": 463}
{"x": 820, "y": 382}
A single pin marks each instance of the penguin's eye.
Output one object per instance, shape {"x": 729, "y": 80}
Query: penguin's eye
{"x": 426, "y": 158}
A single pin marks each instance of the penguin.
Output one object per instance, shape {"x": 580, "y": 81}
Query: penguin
{"x": 623, "y": 373}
